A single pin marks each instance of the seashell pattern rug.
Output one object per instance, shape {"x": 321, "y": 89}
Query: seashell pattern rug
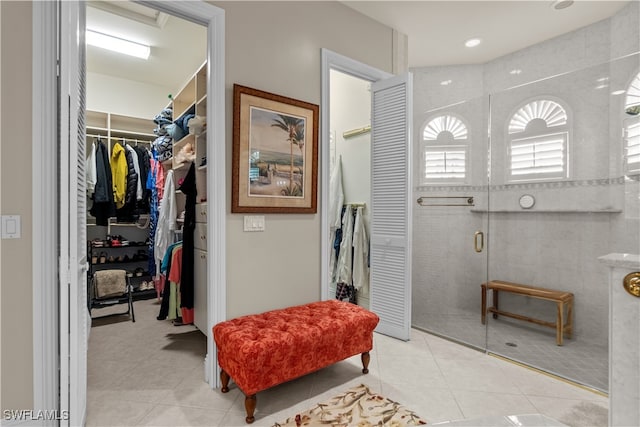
{"x": 357, "y": 406}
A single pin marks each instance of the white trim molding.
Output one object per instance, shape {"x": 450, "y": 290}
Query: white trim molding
{"x": 44, "y": 201}
{"x": 334, "y": 61}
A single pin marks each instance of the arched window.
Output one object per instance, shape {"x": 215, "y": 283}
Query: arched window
{"x": 538, "y": 142}
{"x": 632, "y": 128}
{"x": 445, "y": 146}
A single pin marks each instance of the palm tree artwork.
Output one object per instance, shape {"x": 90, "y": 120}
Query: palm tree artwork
{"x": 294, "y": 127}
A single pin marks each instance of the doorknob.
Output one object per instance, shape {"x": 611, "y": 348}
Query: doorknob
{"x": 478, "y": 241}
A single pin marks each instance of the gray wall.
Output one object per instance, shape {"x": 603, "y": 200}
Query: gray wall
{"x": 267, "y": 49}
{"x": 15, "y": 192}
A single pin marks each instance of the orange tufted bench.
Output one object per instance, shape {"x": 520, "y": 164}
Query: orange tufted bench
{"x": 263, "y": 350}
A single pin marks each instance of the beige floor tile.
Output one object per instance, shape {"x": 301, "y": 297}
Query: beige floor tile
{"x": 478, "y": 404}
{"x": 182, "y": 416}
{"x": 575, "y": 413}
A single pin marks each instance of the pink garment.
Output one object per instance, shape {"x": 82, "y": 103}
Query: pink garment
{"x": 176, "y": 265}
{"x": 156, "y": 169}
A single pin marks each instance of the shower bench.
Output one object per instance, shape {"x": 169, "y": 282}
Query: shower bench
{"x": 562, "y": 325}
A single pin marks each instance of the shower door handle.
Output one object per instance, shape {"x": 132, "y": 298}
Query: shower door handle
{"x": 478, "y": 241}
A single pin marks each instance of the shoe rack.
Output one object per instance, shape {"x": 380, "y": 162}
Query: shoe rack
{"x": 116, "y": 252}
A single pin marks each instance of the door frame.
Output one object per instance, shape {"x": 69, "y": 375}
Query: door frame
{"x": 334, "y": 61}
{"x": 45, "y": 168}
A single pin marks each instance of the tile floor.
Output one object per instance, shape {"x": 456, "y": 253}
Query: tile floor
{"x": 150, "y": 373}
{"x": 579, "y": 360}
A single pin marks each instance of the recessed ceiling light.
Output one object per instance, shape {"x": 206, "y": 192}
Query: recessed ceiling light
{"x": 618, "y": 92}
{"x": 561, "y": 4}
{"x": 472, "y": 42}
{"x": 601, "y": 86}
{"x": 515, "y": 71}
{"x": 117, "y": 44}
{"x": 602, "y": 79}
{"x": 445, "y": 82}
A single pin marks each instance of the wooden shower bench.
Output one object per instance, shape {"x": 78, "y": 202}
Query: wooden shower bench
{"x": 263, "y": 350}
{"x": 562, "y": 325}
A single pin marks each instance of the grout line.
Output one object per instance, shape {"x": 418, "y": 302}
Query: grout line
{"x": 548, "y": 374}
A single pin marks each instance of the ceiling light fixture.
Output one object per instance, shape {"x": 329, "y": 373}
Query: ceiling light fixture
{"x": 561, "y": 4}
{"x": 618, "y": 92}
{"x": 445, "y": 82}
{"x": 472, "y": 42}
{"x": 515, "y": 71}
{"x": 116, "y": 44}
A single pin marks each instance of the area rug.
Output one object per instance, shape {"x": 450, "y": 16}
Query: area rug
{"x": 355, "y": 407}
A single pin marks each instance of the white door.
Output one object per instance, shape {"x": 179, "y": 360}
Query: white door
{"x": 391, "y": 188}
{"x": 74, "y": 316}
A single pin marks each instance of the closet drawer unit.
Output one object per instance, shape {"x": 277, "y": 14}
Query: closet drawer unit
{"x": 201, "y": 212}
{"x": 200, "y": 236}
{"x": 200, "y": 290}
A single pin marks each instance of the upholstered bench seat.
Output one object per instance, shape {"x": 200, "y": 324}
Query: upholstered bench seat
{"x": 263, "y": 350}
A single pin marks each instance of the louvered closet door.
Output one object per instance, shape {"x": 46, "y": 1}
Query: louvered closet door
{"x": 391, "y": 209}
{"x": 74, "y": 316}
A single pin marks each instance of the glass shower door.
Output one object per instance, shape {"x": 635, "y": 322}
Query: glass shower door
{"x": 450, "y": 220}
{"x": 557, "y": 193}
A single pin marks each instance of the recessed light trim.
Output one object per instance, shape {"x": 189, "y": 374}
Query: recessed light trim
{"x": 117, "y": 44}
{"x": 561, "y": 4}
{"x": 473, "y": 42}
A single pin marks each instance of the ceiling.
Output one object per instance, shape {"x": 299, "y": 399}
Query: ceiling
{"x": 436, "y": 32}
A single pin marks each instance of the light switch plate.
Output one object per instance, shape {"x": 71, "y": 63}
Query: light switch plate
{"x": 11, "y": 226}
{"x": 254, "y": 223}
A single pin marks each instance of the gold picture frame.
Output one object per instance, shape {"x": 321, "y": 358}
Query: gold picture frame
{"x": 275, "y": 153}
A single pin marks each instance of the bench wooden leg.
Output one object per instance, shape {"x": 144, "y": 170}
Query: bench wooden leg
{"x": 250, "y": 406}
{"x": 495, "y": 302}
{"x": 569, "y": 319}
{"x": 366, "y": 357}
{"x": 559, "y": 322}
{"x": 224, "y": 379}
{"x": 483, "y": 313}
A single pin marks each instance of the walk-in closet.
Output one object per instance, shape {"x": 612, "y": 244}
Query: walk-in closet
{"x": 146, "y": 145}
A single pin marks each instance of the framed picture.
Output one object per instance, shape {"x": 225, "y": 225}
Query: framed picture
{"x": 275, "y": 153}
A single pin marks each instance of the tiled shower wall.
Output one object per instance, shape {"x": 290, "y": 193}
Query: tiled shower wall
{"x": 556, "y": 244}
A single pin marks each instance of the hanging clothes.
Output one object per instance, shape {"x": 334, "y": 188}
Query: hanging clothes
{"x": 128, "y": 213}
{"x": 91, "y": 172}
{"x": 345, "y": 257}
{"x": 336, "y": 197}
{"x": 165, "y": 270}
{"x": 188, "y": 187}
{"x": 152, "y": 186}
{"x": 136, "y": 168}
{"x": 118, "y": 164}
{"x": 166, "y": 222}
{"x": 335, "y": 218}
{"x": 360, "y": 254}
{"x": 144, "y": 160}
{"x": 103, "y": 206}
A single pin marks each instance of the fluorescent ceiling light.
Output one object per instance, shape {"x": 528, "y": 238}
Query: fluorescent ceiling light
{"x": 117, "y": 44}
{"x": 445, "y": 82}
{"x": 472, "y": 42}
